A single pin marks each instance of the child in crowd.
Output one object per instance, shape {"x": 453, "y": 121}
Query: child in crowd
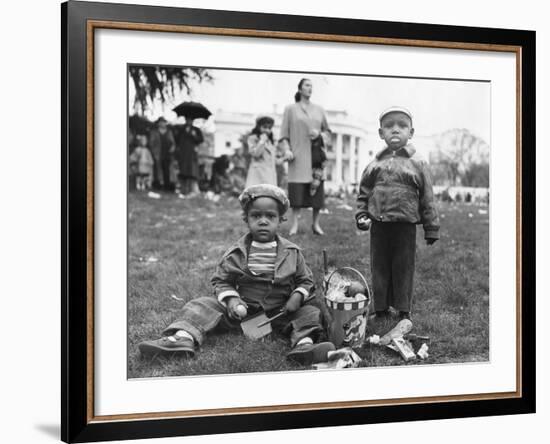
{"x": 261, "y": 272}
{"x": 262, "y": 153}
{"x": 395, "y": 194}
{"x": 142, "y": 161}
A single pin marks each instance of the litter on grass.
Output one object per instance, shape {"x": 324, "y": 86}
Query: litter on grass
{"x": 422, "y": 352}
{"x": 374, "y": 339}
{"x": 345, "y": 207}
{"x": 341, "y": 358}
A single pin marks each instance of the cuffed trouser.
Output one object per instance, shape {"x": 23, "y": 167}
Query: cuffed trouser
{"x": 393, "y": 249}
{"x": 203, "y": 315}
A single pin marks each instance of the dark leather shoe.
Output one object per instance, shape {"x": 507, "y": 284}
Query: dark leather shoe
{"x": 168, "y": 345}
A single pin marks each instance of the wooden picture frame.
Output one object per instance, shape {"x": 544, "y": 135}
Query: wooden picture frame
{"x": 79, "y": 22}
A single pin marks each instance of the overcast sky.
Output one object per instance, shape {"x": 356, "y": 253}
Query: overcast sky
{"x": 436, "y": 105}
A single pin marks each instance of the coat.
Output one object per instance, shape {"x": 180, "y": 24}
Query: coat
{"x": 189, "y": 139}
{"x": 160, "y": 155}
{"x": 262, "y": 162}
{"x": 143, "y": 159}
{"x": 397, "y": 187}
{"x": 233, "y": 278}
{"x": 297, "y": 122}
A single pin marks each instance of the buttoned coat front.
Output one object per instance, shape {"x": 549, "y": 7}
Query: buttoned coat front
{"x": 233, "y": 278}
{"x": 397, "y": 187}
{"x": 298, "y": 121}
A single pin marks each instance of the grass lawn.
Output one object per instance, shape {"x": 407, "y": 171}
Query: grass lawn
{"x": 174, "y": 245}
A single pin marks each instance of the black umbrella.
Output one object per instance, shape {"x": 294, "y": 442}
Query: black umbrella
{"x": 194, "y": 110}
{"x": 139, "y": 124}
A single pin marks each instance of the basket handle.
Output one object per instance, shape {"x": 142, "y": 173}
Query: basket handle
{"x": 351, "y": 269}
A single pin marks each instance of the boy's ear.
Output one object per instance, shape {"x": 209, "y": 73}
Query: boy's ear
{"x": 380, "y": 133}
{"x": 412, "y": 133}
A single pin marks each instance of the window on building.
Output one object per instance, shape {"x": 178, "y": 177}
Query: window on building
{"x": 345, "y": 172}
{"x": 228, "y": 144}
{"x": 332, "y": 146}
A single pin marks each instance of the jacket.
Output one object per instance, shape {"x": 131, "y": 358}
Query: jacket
{"x": 233, "y": 278}
{"x": 144, "y": 160}
{"x": 397, "y": 187}
{"x": 262, "y": 162}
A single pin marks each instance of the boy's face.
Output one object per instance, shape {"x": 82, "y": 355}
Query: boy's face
{"x": 396, "y": 130}
{"x": 263, "y": 219}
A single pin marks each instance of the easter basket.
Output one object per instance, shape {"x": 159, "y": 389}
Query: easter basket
{"x": 349, "y": 300}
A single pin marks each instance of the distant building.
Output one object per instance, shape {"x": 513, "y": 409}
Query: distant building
{"x": 348, "y": 155}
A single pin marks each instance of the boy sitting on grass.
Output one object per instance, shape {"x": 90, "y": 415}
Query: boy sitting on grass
{"x": 262, "y": 271}
{"x": 395, "y": 194}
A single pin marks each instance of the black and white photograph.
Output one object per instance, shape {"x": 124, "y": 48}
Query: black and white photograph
{"x": 283, "y": 221}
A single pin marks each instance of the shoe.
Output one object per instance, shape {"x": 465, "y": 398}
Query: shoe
{"x": 317, "y": 231}
{"x": 404, "y": 315}
{"x": 307, "y": 354}
{"x": 168, "y": 345}
{"x": 382, "y": 314}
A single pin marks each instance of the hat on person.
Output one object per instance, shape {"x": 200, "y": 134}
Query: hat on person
{"x": 253, "y": 192}
{"x": 395, "y": 109}
{"x": 161, "y": 120}
{"x": 263, "y": 120}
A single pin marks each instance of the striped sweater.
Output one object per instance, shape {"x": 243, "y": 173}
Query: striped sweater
{"x": 261, "y": 258}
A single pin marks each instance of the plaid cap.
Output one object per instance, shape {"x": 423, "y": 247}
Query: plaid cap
{"x": 263, "y": 190}
{"x": 395, "y": 109}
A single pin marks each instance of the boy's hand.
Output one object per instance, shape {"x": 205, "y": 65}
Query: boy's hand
{"x": 234, "y": 309}
{"x": 294, "y": 302}
{"x": 431, "y": 241}
{"x": 364, "y": 223}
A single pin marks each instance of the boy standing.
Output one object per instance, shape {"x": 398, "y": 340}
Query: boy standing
{"x": 262, "y": 271}
{"x": 395, "y": 194}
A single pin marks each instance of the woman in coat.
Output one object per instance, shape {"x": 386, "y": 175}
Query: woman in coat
{"x": 189, "y": 139}
{"x": 303, "y": 122}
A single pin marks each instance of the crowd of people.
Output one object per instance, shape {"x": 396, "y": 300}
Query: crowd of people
{"x": 294, "y": 162}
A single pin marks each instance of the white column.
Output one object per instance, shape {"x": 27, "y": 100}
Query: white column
{"x": 337, "y": 176}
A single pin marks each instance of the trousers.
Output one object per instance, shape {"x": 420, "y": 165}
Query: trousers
{"x": 206, "y": 314}
{"x": 393, "y": 249}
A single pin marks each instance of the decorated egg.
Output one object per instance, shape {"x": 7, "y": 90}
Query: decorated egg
{"x": 240, "y": 311}
{"x": 354, "y": 288}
